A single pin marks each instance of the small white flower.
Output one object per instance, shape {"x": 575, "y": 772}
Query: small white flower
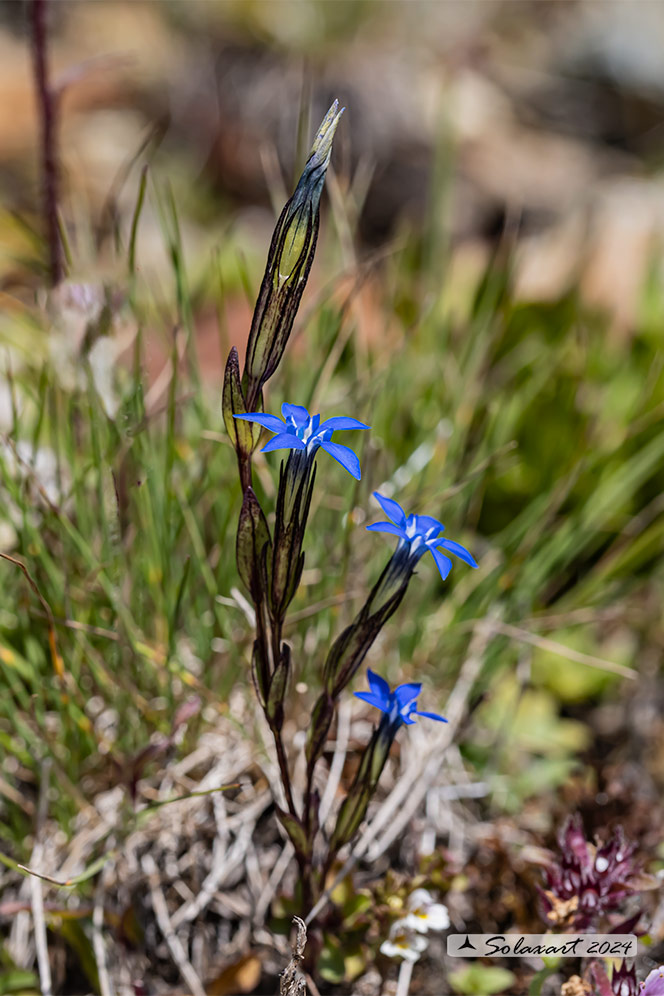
{"x": 403, "y": 943}
{"x": 424, "y": 914}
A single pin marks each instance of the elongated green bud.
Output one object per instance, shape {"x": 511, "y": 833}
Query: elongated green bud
{"x": 355, "y": 805}
{"x": 351, "y": 646}
{"x": 253, "y": 536}
{"x": 346, "y": 654}
{"x": 289, "y": 261}
{"x": 293, "y": 502}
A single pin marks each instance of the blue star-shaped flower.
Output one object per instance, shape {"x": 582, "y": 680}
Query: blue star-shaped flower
{"x": 417, "y": 534}
{"x": 300, "y": 431}
{"x": 399, "y": 705}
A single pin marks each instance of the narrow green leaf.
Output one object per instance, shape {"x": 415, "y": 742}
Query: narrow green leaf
{"x": 295, "y": 831}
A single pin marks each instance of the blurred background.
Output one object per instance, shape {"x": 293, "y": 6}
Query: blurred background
{"x": 488, "y": 294}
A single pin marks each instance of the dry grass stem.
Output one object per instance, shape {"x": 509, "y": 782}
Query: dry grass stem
{"x": 175, "y": 947}
{"x": 36, "y": 892}
{"x": 98, "y": 945}
{"x": 553, "y": 647}
{"x": 338, "y": 760}
{"x": 273, "y": 882}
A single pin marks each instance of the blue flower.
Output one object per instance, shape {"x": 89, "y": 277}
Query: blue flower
{"x": 399, "y": 705}
{"x": 300, "y": 431}
{"x": 417, "y": 534}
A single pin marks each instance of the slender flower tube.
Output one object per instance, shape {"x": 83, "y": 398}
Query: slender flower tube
{"x": 417, "y": 535}
{"x": 303, "y": 435}
{"x": 398, "y": 708}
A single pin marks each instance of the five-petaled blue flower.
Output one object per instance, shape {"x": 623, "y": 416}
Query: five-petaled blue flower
{"x": 417, "y": 534}
{"x": 300, "y": 431}
{"x": 399, "y": 705}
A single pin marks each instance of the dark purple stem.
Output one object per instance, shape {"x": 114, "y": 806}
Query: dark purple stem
{"x": 47, "y": 108}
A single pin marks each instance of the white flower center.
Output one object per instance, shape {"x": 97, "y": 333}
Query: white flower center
{"x": 306, "y": 435}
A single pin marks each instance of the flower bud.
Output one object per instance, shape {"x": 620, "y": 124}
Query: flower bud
{"x": 244, "y": 435}
{"x": 355, "y": 805}
{"x": 253, "y": 545}
{"x": 277, "y": 691}
{"x": 289, "y": 261}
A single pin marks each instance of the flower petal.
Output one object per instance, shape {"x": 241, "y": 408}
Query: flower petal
{"x": 387, "y": 527}
{"x": 373, "y": 700}
{"x": 341, "y": 422}
{"x": 299, "y": 414}
{"x": 271, "y": 422}
{"x": 430, "y": 715}
{"x": 427, "y": 522}
{"x": 392, "y": 509}
{"x": 397, "y": 951}
{"x": 654, "y": 983}
{"x": 438, "y": 917}
{"x": 419, "y": 898}
{"x": 405, "y": 694}
{"x": 443, "y": 563}
{"x": 345, "y": 456}
{"x": 434, "y": 916}
{"x": 404, "y": 942}
{"x": 284, "y": 441}
{"x": 378, "y": 685}
{"x": 457, "y": 549}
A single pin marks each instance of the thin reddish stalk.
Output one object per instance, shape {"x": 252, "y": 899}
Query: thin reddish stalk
{"x": 47, "y": 107}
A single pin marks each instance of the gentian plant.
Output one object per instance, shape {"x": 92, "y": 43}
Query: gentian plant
{"x": 270, "y": 561}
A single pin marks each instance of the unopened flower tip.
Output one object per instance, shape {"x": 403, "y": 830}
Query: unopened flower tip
{"x": 321, "y": 150}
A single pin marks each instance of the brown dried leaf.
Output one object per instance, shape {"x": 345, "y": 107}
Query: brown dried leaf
{"x": 241, "y": 977}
